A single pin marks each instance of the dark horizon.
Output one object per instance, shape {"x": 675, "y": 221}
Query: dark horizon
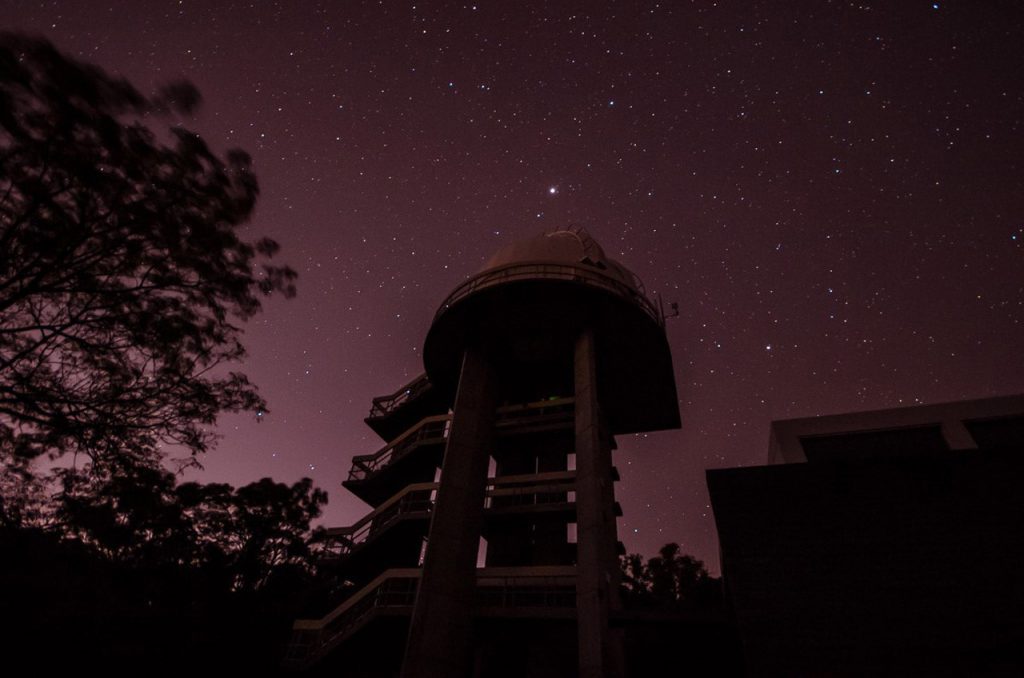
{"x": 833, "y": 196}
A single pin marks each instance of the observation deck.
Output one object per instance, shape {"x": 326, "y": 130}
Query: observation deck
{"x": 542, "y": 592}
{"x": 532, "y": 366}
{"x": 393, "y": 413}
{"x": 390, "y": 535}
{"x": 414, "y": 456}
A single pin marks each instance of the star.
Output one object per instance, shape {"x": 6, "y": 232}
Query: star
{"x": 705, "y": 163}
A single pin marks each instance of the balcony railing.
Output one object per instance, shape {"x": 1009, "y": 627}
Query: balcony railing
{"x": 312, "y": 638}
{"x": 394, "y": 592}
{"x": 385, "y": 405}
{"x": 541, "y": 415}
{"x": 533, "y": 489}
{"x": 430, "y": 430}
{"x": 418, "y": 500}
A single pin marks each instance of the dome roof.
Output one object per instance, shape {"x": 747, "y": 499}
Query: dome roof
{"x": 572, "y": 246}
{"x": 528, "y": 307}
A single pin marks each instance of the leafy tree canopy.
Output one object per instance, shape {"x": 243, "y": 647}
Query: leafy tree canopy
{"x": 180, "y": 575}
{"x": 124, "y": 282}
{"x": 669, "y": 581}
{"x": 141, "y": 517}
{"x": 123, "y": 278}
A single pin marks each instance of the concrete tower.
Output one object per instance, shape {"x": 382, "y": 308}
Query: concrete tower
{"x": 533, "y": 365}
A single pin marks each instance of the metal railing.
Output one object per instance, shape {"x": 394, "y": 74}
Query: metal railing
{"x": 526, "y": 596}
{"x": 414, "y": 499}
{"x": 528, "y": 490}
{"x": 418, "y": 500}
{"x": 551, "y": 413}
{"x": 394, "y": 591}
{"x": 582, "y": 274}
{"x": 547, "y": 587}
{"x": 385, "y": 405}
{"x": 312, "y": 638}
{"x": 540, "y": 415}
{"x": 429, "y": 430}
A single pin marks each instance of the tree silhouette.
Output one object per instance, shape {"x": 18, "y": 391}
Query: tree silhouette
{"x": 123, "y": 278}
{"x": 140, "y": 516}
{"x": 184, "y": 575}
{"x": 123, "y": 285}
{"x": 669, "y": 580}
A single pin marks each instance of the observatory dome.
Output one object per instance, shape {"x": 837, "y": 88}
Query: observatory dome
{"x": 528, "y": 306}
{"x": 572, "y": 246}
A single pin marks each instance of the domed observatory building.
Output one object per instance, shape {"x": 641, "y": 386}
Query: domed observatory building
{"x": 492, "y": 546}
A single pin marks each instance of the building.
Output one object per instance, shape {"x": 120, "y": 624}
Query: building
{"x": 880, "y": 543}
{"x": 491, "y": 549}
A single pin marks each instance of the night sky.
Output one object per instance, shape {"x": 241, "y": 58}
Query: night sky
{"x": 831, "y": 191}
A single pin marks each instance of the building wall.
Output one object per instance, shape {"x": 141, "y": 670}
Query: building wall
{"x": 881, "y": 566}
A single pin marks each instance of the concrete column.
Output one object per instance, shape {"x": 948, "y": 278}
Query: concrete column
{"x": 440, "y": 636}
{"x": 600, "y": 650}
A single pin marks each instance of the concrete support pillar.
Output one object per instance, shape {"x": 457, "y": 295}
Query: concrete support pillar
{"x": 440, "y": 636}
{"x": 600, "y": 650}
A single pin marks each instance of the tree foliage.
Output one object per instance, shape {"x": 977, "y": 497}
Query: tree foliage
{"x": 179, "y": 576}
{"x": 123, "y": 279}
{"x": 124, "y": 282}
{"x": 141, "y": 517}
{"x": 669, "y": 580}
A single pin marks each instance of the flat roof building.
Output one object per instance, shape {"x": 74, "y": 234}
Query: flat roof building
{"x": 880, "y": 543}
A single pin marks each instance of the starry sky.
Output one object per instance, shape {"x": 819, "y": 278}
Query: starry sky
{"x": 831, "y": 191}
